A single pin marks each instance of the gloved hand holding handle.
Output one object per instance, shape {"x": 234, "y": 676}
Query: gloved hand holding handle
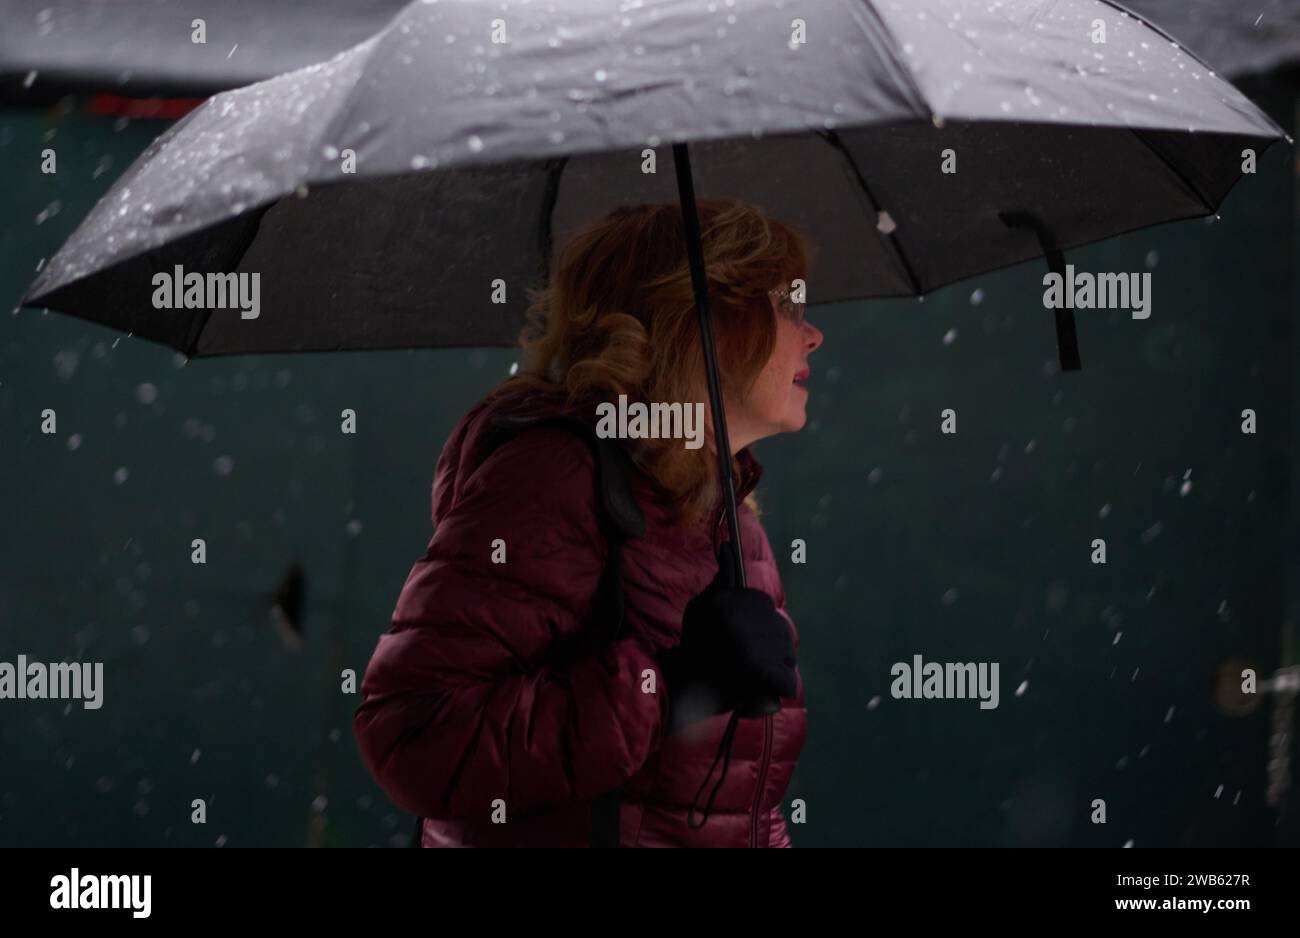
{"x": 736, "y": 653}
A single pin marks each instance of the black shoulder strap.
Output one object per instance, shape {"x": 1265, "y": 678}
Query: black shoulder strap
{"x": 621, "y": 518}
{"x": 619, "y": 512}
{"x": 613, "y": 467}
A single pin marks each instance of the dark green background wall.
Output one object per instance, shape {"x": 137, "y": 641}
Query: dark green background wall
{"x": 967, "y": 547}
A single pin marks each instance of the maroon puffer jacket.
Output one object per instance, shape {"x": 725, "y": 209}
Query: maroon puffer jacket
{"x": 459, "y": 709}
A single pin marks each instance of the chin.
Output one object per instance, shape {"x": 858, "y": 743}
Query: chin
{"x": 795, "y": 422}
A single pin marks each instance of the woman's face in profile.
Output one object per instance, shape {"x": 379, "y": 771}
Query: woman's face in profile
{"x": 778, "y": 401}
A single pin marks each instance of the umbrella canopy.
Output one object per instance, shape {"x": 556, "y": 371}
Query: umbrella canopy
{"x": 145, "y": 47}
{"x": 405, "y": 192}
{"x": 1238, "y": 39}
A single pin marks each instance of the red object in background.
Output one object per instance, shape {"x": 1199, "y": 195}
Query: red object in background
{"x": 112, "y": 105}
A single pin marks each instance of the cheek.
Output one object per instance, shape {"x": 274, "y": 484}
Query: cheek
{"x": 773, "y": 393}
{"x": 774, "y": 389}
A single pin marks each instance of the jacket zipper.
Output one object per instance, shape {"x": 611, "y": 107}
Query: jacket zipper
{"x": 767, "y": 720}
{"x": 762, "y": 779}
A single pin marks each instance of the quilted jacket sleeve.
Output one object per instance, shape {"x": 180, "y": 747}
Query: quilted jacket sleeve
{"x": 457, "y": 708}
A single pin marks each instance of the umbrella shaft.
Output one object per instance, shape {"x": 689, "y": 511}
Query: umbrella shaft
{"x": 695, "y": 254}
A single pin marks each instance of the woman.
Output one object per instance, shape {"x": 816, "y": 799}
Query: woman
{"x": 477, "y": 713}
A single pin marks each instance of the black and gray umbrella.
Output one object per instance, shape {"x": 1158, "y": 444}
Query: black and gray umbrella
{"x": 148, "y": 47}
{"x": 404, "y": 193}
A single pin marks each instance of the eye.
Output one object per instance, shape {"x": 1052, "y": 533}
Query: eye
{"x": 786, "y": 307}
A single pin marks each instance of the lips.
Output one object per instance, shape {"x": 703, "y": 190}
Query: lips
{"x": 801, "y": 378}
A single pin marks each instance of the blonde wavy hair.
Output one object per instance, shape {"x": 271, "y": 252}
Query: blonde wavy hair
{"x": 617, "y": 316}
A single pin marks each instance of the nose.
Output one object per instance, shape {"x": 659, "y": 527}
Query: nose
{"x": 813, "y": 336}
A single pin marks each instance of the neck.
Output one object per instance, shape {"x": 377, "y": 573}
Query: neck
{"x": 738, "y": 437}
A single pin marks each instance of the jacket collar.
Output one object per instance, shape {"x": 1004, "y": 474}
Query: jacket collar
{"x": 518, "y": 409}
{"x": 751, "y": 470}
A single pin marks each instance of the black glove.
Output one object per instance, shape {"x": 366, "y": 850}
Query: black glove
{"x": 735, "y": 648}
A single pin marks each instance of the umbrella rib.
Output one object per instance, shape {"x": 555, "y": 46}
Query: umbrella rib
{"x": 1182, "y": 177}
{"x": 201, "y": 322}
{"x": 892, "y": 47}
{"x": 834, "y": 140}
{"x": 554, "y": 170}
